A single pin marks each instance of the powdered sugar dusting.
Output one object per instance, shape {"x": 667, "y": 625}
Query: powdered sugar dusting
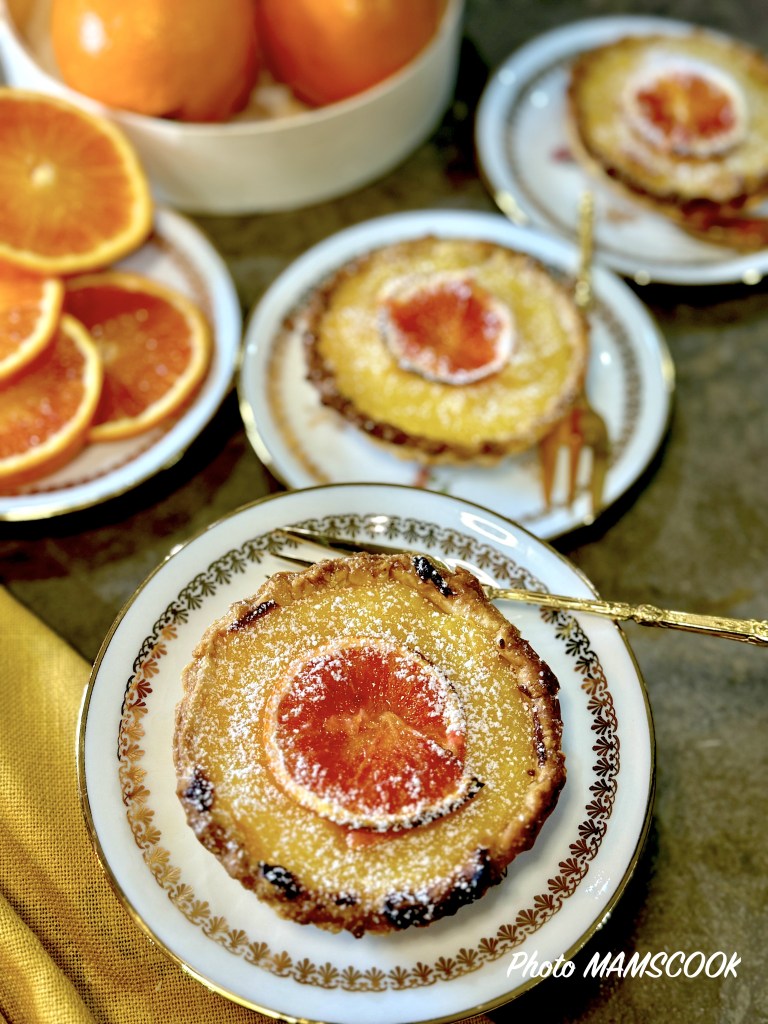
{"x": 369, "y": 735}
{"x": 475, "y": 695}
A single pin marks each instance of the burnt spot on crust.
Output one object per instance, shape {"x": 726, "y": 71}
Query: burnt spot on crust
{"x": 539, "y": 745}
{"x": 252, "y": 615}
{"x": 549, "y": 680}
{"x": 426, "y": 571}
{"x": 539, "y": 740}
{"x": 199, "y": 793}
{"x": 472, "y": 886}
{"x": 406, "y": 909}
{"x": 403, "y": 909}
{"x": 282, "y": 879}
{"x": 345, "y": 899}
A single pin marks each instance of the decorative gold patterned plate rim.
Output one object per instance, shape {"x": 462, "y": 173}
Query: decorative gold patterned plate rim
{"x": 180, "y": 256}
{"x": 630, "y": 381}
{"x": 534, "y": 179}
{"x": 412, "y": 970}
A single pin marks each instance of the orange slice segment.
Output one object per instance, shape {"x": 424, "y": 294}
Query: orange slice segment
{"x": 76, "y": 195}
{"x": 370, "y": 736}
{"x": 445, "y": 327}
{"x": 155, "y": 345}
{"x": 45, "y": 411}
{"x": 29, "y": 314}
{"x": 687, "y": 107}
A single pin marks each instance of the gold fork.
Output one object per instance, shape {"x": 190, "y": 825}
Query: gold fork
{"x": 751, "y": 631}
{"x": 582, "y": 427}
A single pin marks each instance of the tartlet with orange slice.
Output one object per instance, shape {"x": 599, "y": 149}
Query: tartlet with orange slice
{"x": 679, "y": 122}
{"x": 446, "y": 349}
{"x": 367, "y": 744}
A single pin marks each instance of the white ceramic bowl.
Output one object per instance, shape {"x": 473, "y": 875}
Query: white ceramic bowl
{"x": 249, "y": 165}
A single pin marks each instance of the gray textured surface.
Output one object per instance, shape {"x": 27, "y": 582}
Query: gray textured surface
{"x": 691, "y": 534}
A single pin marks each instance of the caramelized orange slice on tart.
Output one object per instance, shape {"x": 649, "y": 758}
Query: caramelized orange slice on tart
{"x": 46, "y": 410}
{"x": 370, "y": 736}
{"x": 446, "y": 350}
{"x": 445, "y": 327}
{"x": 687, "y": 107}
{"x": 75, "y": 195}
{"x": 29, "y": 314}
{"x": 155, "y": 345}
{"x": 333, "y": 733}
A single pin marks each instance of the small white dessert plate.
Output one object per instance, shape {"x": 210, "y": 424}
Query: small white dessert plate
{"x": 554, "y": 897}
{"x": 176, "y": 254}
{"x": 525, "y": 159}
{"x": 630, "y": 382}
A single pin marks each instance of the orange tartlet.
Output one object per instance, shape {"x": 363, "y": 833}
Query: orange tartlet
{"x": 367, "y": 744}
{"x": 681, "y": 123}
{"x": 446, "y": 349}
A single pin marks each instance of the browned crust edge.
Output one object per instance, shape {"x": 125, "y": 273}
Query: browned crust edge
{"x": 278, "y": 885}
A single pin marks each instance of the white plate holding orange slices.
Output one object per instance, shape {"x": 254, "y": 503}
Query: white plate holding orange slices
{"x": 178, "y": 256}
{"x": 554, "y": 897}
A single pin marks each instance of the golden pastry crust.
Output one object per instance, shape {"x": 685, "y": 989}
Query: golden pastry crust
{"x": 507, "y": 411}
{"x": 301, "y": 863}
{"x": 688, "y": 186}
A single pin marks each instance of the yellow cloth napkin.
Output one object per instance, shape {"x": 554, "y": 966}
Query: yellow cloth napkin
{"x": 69, "y": 951}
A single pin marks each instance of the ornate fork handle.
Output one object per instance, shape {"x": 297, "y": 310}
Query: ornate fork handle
{"x": 751, "y": 631}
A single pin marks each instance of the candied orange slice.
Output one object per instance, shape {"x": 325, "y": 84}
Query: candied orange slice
{"x": 46, "y": 410}
{"x": 446, "y": 327}
{"x": 155, "y": 345}
{"x": 29, "y": 314}
{"x": 369, "y": 735}
{"x": 75, "y": 195}
{"x": 686, "y": 107}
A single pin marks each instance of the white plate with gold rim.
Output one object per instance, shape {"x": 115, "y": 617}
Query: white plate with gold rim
{"x": 630, "y": 381}
{"x": 525, "y": 157}
{"x": 553, "y": 898}
{"x": 178, "y": 255}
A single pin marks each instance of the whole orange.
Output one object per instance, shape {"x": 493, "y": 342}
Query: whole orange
{"x": 327, "y": 50}
{"x": 194, "y": 60}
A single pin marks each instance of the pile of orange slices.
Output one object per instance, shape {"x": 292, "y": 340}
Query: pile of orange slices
{"x": 87, "y": 353}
